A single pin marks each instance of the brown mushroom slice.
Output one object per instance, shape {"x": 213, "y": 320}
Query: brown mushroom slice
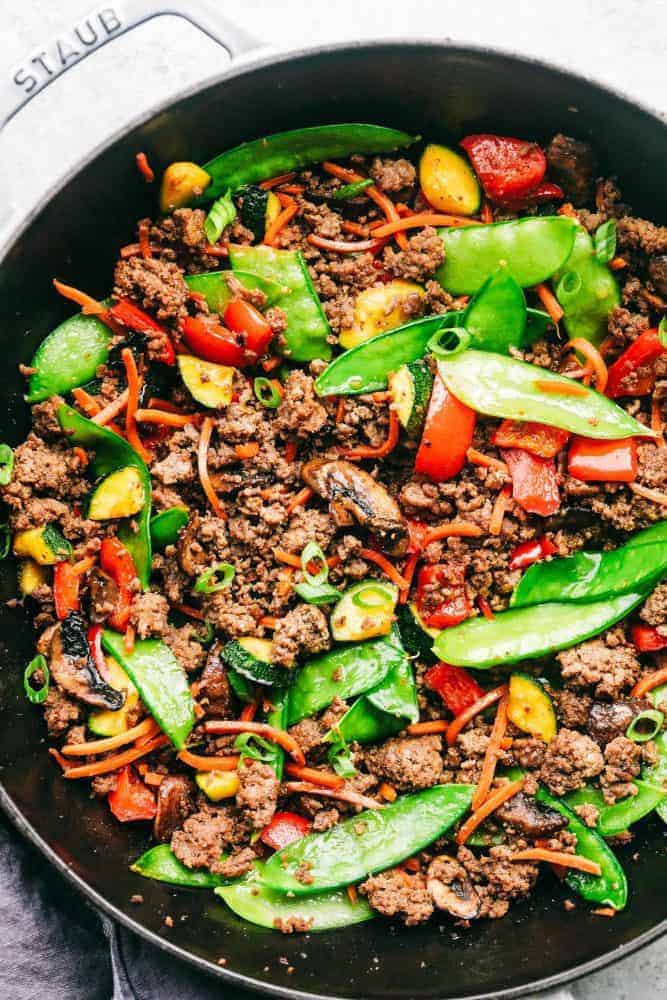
{"x": 175, "y": 802}
{"x": 215, "y": 693}
{"x": 73, "y": 668}
{"x": 102, "y": 595}
{"x": 607, "y": 720}
{"x": 352, "y": 491}
{"x": 457, "y": 898}
{"x": 530, "y": 817}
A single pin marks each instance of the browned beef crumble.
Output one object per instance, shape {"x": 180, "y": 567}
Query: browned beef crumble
{"x": 570, "y": 760}
{"x": 394, "y": 893}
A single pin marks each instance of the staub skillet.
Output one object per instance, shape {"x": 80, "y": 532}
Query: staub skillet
{"x": 440, "y": 90}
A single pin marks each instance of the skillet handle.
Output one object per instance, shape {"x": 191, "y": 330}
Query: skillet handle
{"x": 103, "y": 24}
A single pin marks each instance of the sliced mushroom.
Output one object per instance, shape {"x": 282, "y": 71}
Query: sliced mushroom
{"x": 102, "y": 594}
{"x": 215, "y": 693}
{"x": 457, "y": 897}
{"x": 73, "y": 668}
{"x": 352, "y": 491}
{"x": 530, "y": 817}
{"x": 175, "y": 802}
{"x": 607, "y": 720}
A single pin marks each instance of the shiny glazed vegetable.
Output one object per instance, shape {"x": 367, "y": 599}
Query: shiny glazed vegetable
{"x": 68, "y": 357}
{"x": 620, "y": 816}
{"x": 382, "y": 711}
{"x": 587, "y": 290}
{"x": 496, "y": 317}
{"x": 161, "y": 864}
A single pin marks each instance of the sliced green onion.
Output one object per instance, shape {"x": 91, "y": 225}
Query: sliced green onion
{"x": 321, "y": 593}
{"x": 266, "y": 392}
{"x": 645, "y": 726}
{"x": 254, "y": 746}
{"x": 662, "y": 331}
{"x": 372, "y": 597}
{"x": 6, "y": 464}
{"x": 5, "y": 540}
{"x": 207, "y": 584}
{"x": 568, "y": 287}
{"x": 448, "y": 342}
{"x": 313, "y": 553}
{"x": 605, "y": 241}
{"x": 221, "y": 213}
{"x": 340, "y": 759}
{"x": 206, "y": 635}
{"x": 352, "y": 190}
{"x": 36, "y": 695}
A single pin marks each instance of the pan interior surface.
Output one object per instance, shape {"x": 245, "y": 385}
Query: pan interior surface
{"x": 440, "y": 93}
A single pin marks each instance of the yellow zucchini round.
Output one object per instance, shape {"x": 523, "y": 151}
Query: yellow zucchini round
{"x": 530, "y": 708}
{"x": 120, "y": 494}
{"x": 364, "y": 611}
{"x": 109, "y": 723}
{"x": 208, "y": 383}
{"x": 45, "y": 545}
{"x": 448, "y": 181}
{"x": 31, "y": 576}
{"x": 218, "y": 785}
{"x": 379, "y": 309}
{"x": 182, "y": 183}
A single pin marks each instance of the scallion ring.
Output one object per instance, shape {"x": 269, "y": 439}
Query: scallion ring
{"x": 449, "y": 341}
{"x": 312, "y": 552}
{"x": 37, "y": 695}
{"x": 321, "y": 593}
{"x": 266, "y": 392}
{"x": 645, "y": 726}
{"x": 372, "y": 597}
{"x": 5, "y": 540}
{"x": 6, "y": 464}
{"x": 568, "y": 287}
{"x": 206, "y": 635}
{"x": 207, "y": 584}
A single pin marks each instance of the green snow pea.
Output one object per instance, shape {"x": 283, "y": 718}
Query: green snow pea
{"x": 166, "y": 526}
{"x": 592, "y": 576}
{"x": 365, "y": 368}
{"x": 382, "y": 711}
{"x": 277, "y": 154}
{"x": 538, "y": 323}
{"x": 657, "y": 773}
{"x": 253, "y": 902}
{"x": 161, "y": 864}
{"x": 307, "y": 326}
{"x": 499, "y": 386}
{"x": 611, "y": 887}
{"x": 277, "y": 717}
{"x": 527, "y": 633}
{"x": 613, "y": 819}
{"x": 533, "y": 249}
{"x": 367, "y": 843}
{"x": 496, "y": 317}
{"x": 68, "y": 357}
{"x": 213, "y": 286}
{"x": 587, "y": 290}
{"x": 112, "y": 453}
{"x": 160, "y": 680}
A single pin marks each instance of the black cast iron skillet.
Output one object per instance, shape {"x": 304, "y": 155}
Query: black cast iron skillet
{"x": 441, "y": 91}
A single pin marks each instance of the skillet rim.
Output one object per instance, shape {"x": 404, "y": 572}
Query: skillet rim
{"x": 262, "y": 57}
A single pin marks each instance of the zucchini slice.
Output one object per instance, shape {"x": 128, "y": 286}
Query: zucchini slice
{"x": 259, "y": 209}
{"x": 45, "y": 545}
{"x": 31, "y": 576}
{"x": 120, "y": 494}
{"x": 106, "y": 722}
{"x": 448, "y": 181}
{"x": 181, "y": 183}
{"x": 410, "y": 389}
{"x": 251, "y": 658}
{"x": 530, "y": 708}
{"x": 208, "y": 383}
{"x": 218, "y": 785}
{"x": 378, "y": 309}
{"x": 364, "y": 611}
{"x": 416, "y": 637}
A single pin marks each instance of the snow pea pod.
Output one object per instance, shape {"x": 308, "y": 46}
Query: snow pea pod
{"x": 160, "y": 680}
{"x": 68, "y": 357}
{"x": 367, "y": 843}
{"x": 496, "y": 317}
{"x": 533, "y": 249}
{"x": 161, "y": 864}
{"x": 384, "y": 710}
{"x": 592, "y": 576}
{"x": 504, "y": 387}
{"x": 307, "y": 326}
{"x": 587, "y": 290}
{"x": 213, "y": 286}
{"x": 112, "y": 452}
{"x": 611, "y": 887}
{"x": 613, "y": 819}
{"x": 286, "y": 151}
{"x": 323, "y": 911}
{"x": 527, "y": 633}
{"x": 657, "y": 773}
{"x": 166, "y": 526}
{"x": 277, "y": 717}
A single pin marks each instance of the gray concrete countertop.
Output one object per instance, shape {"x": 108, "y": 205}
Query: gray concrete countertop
{"x": 621, "y": 43}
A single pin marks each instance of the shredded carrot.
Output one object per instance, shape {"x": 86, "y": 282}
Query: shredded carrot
{"x": 249, "y": 711}
{"x": 464, "y": 717}
{"x": 384, "y": 203}
{"x": 270, "y": 364}
{"x": 355, "y": 228}
{"x": 342, "y": 246}
{"x": 487, "y": 461}
{"x": 288, "y": 558}
{"x": 299, "y": 499}
{"x": 655, "y": 496}
{"x": 285, "y": 199}
{"x": 506, "y": 743}
{"x": 165, "y": 419}
{"x": 380, "y": 451}
{"x": 657, "y": 424}
{"x": 561, "y": 858}
{"x": 340, "y": 410}
{"x": 114, "y": 762}
{"x": 485, "y": 608}
{"x": 128, "y": 639}
{"x": 144, "y": 242}
{"x": 275, "y": 181}
{"x": 112, "y": 409}
{"x": 550, "y": 303}
{"x": 486, "y": 215}
{"x": 412, "y": 865}
{"x": 498, "y": 512}
{"x": 203, "y": 763}
{"x": 202, "y": 467}
{"x": 219, "y": 250}
{"x": 81, "y": 454}
{"x": 648, "y": 682}
{"x": 428, "y": 728}
{"x": 327, "y": 779}
{"x": 605, "y": 911}
{"x": 408, "y": 574}
{"x": 155, "y": 403}
{"x": 148, "y": 727}
{"x": 153, "y": 779}
{"x": 248, "y": 450}
{"x": 89, "y": 305}
{"x": 491, "y": 756}
{"x": 134, "y": 249}
{"x": 390, "y": 571}
{"x": 88, "y": 403}
{"x": 292, "y": 188}
{"x": 133, "y": 389}
{"x": 387, "y": 792}
{"x": 269, "y": 621}
{"x": 279, "y": 224}
{"x": 220, "y": 727}
{"x": 189, "y": 611}
{"x": 494, "y": 800}
{"x": 285, "y": 583}
{"x": 594, "y": 358}
{"x": 567, "y": 208}
{"x": 83, "y": 565}
{"x": 423, "y": 219}
{"x": 352, "y": 895}
{"x": 454, "y": 529}
{"x": 145, "y": 168}
{"x": 560, "y": 388}
{"x": 290, "y": 451}
{"x": 618, "y": 263}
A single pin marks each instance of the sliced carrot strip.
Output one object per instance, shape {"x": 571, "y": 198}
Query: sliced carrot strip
{"x": 594, "y": 358}
{"x": 387, "y": 446}
{"x": 145, "y": 168}
{"x": 352, "y": 894}
{"x": 342, "y": 246}
{"x": 190, "y": 612}
{"x": 133, "y": 389}
{"x": 148, "y": 727}
{"x": 423, "y": 219}
{"x": 428, "y": 728}
{"x": 326, "y": 779}
{"x": 618, "y": 263}
{"x": 455, "y": 529}
{"x": 89, "y": 305}
{"x": 299, "y": 499}
{"x": 498, "y": 512}
{"x": 390, "y": 571}
{"x": 494, "y": 800}
{"x": 575, "y": 861}
{"x": 249, "y": 711}
{"x": 268, "y": 621}
{"x": 278, "y": 736}
{"x": 111, "y": 410}
{"x": 550, "y": 303}
{"x": 388, "y": 792}
{"x": 128, "y": 639}
{"x": 487, "y": 461}
{"x": 491, "y": 756}
{"x": 116, "y": 761}
{"x": 88, "y": 403}
{"x": 275, "y": 181}
{"x": 279, "y": 224}
{"x": 202, "y": 467}
{"x": 462, "y": 720}
{"x": 248, "y": 450}
{"x": 203, "y": 763}
{"x": 165, "y": 419}
{"x": 384, "y": 203}
{"x": 408, "y": 575}
{"x": 560, "y": 388}
{"x": 356, "y": 228}
{"x": 649, "y": 682}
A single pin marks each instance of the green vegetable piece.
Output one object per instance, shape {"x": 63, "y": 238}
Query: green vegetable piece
{"x": 250, "y": 658}
{"x": 526, "y": 633}
{"x": 587, "y": 290}
{"x": 410, "y": 389}
{"x": 538, "y": 325}
{"x": 345, "y": 671}
{"x": 533, "y": 249}
{"x": 504, "y": 387}
{"x": 605, "y": 241}
{"x": 160, "y": 680}
{"x": 112, "y": 453}
{"x": 645, "y": 726}
{"x": 6, "y": 464}
{"x": 366, "y": 368}
{"x": 592, "y": 576}
{"x": 496, "y": 317}
{"x": 221, "y": 213}
{"x": 656, "y": 774}
{"x": 213, "y": 286}
{"x": 307, "y": 326}
{"x": 216, "y": 578}
{"x": 318, "y": 593}
{"x": 611, "y": 887}
{"x": 166, "y": 525}
{"x": 324, "y": 911}
{"x": 277, "y": 717}
{"x": 5, "y": 541}
{"x": 352, "y": 190}
{"x": 613, "y": 819}
{"x": 367, "y": 843}
{"x": 417, "y": 639}
{"x": 161, "y": 864}
{"x": 383, "y": 711}
{"x": 68, "y": 357}
{"x": 33, "y": 694}
{"x": 278, "y": 154}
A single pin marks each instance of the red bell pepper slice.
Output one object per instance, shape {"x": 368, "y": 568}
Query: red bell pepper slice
{"x": 136, "y": 319}
{"x": 66, "y": 580}
{"x": 647, "y": 638}
{"x": 596, "y": 461}
{"x": 95, "y": 633}
{"x": 538, "y": 439}
{"x": 242, "y": 317}
{"x": 284, "y": 829}
{"x": 208, "y": 339}
{"x": 455, "y": 686}
{"x": 447, "y": 435}
{"x": 441, "y": 595}
{"x": 633, "y": 374}
{"x": 546, "y": 191}
{"x": 131, "y": 799}
{"x": 118, "y": 563}
{"x": 534, "y": 481}
{"x": 508, "y": 169}
{"x": 531, "y": 552}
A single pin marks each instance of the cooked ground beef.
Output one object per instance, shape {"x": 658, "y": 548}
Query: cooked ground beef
{"x": 622, "y": 763}
{"x": 573, "y": 708}
{"x": 149, "y": 614}
{"x": 654, "y": 610}
{"x": 570, "y": 760}
{"x": 300, "y": 412}
{"x": 394, "y": 893}
{"x": 392, "y": 175}
{"x": 303, "y": 631}
{"x": 497, "y": 880}
{"x": 423, "y": 257}
{"x": 156, "y": 286}
{"x": 606, "y": 664}
{"x": 60, "y": 712}
{"x": 206, "y": 834}
{"x": 258, "y": 792}
{"x": 407, "y": 764}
